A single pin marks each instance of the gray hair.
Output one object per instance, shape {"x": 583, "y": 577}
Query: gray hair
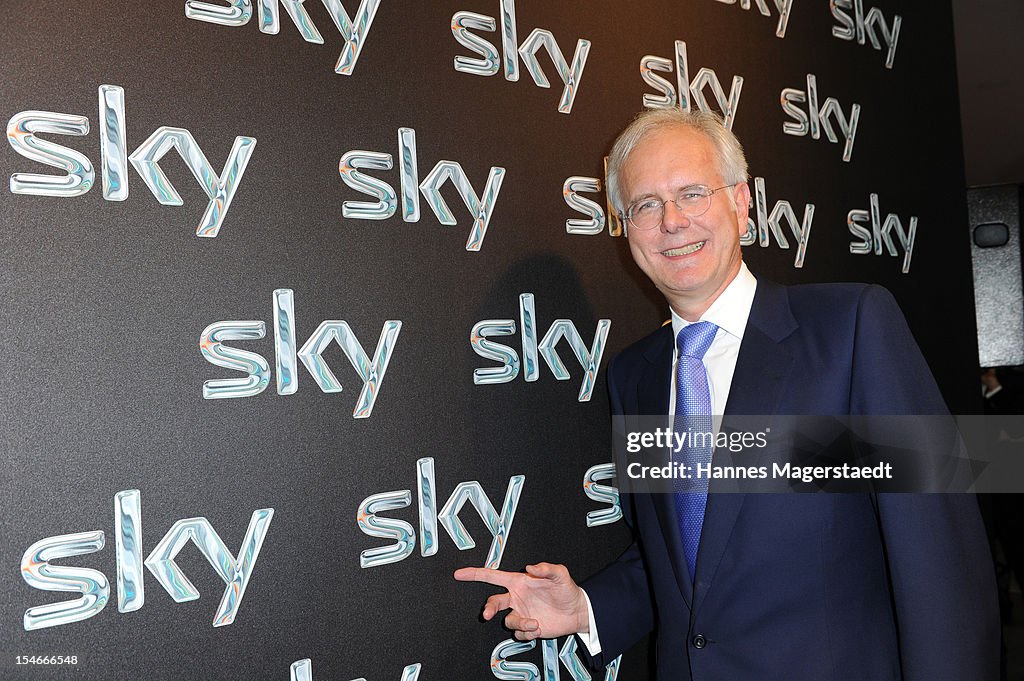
{"x": 732, "y": 162}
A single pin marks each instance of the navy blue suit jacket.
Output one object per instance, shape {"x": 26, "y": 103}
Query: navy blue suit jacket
{"x": 804, "y": 587}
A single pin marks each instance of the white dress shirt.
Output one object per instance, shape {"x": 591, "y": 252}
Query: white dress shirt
{"x": 729, "y": 312}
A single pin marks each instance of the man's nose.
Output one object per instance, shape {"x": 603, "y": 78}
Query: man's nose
{"x": 674, "y": 218}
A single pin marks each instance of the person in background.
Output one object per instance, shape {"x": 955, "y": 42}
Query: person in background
{"x": 1004, "y": 513}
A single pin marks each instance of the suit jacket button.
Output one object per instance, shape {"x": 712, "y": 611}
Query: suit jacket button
{"x": 699, "y": 641}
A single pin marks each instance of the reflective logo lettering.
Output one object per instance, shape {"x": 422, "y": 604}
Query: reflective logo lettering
{"x": 816, "y": 118}
{"x": 499, "y": 524}
{"x": 480, "y": 207}
{"x": 605, "y": 494}
{"x": 489, "y": 61}
{"x": 686, "y": 93}
{"x": 220, "y": 189}
{"x": 371, "y": 371}
{"x": 782, "y": 6}
{"x": 353, "y": 30}
{"x": 764, "y": 225}
{"x": 236, "y": 570}
{"x": 506, "y": 670}
{"x": 870, "y": 27}
{"x": 594, "y": 224}
{"x": 302, "y": 670}
{"x": 589, "y": 359}
{"x": 872, "y": 233}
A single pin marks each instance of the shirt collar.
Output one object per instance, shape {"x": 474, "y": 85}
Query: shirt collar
{"x": 989, "y": 393}
{"x": 730, "y": 309}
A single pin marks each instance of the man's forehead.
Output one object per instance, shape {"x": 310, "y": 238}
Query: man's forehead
{"x": 698, "y": 146}
{"x": 676, "y": 154}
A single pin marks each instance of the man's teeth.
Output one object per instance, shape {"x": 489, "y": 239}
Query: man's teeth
{"x": 685, "y": 250}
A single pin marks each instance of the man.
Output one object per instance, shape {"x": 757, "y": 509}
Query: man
{"x": 763, "y": 587}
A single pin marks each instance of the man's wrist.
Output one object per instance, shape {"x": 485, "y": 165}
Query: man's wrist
{"x": 588, "y": 631}
{"x": 582, "y": 612}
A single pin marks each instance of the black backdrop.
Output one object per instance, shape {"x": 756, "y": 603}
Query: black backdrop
{"x": 104, "y": 302}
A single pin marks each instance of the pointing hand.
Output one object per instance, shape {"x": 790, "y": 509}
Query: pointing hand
{"x": 544, "y": 601}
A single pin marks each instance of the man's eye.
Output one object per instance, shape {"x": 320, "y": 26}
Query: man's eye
{"x": 651, "y": 206}
{"x": 692, "y": 195}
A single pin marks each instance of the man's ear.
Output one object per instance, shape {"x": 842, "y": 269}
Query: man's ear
{"x": 741, "y": 196}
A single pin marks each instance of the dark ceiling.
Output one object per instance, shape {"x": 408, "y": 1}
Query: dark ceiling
{"x": 990, "y": 67}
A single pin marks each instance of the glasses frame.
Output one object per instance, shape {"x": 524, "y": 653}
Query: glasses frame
{"x": 627, "y": 217}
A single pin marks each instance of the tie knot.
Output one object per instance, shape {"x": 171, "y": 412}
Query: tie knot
{"x": 695, "y": 339}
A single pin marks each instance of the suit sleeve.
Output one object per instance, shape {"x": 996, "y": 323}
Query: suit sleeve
{"x": 942, "y": 578}
{"x": 620, "y": 594}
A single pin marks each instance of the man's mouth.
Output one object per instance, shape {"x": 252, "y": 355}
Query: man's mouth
{"x": 685, "y": 250}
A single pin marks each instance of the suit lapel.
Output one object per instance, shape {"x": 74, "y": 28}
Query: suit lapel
{"x": 762, "y": 368}
{"x": 652, "y": 399}
{"x": 653, "y": 388}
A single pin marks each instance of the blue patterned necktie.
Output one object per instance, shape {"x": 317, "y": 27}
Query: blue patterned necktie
{"x": 693, "y": 414}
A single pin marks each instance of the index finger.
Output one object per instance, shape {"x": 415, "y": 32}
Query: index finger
{"x": 485, "y": 575}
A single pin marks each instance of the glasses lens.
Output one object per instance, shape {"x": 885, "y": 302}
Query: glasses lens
{"x": 694, "y": 201}
{"x": 691, "y": 202}
{"x": 647, "y": 215}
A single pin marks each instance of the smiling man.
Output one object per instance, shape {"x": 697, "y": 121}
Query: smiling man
{"x": 762, "y": 587}
{"x": 685, "y": 210}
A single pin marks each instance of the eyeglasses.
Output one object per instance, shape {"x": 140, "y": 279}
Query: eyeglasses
{"x": 692, "y": 202}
